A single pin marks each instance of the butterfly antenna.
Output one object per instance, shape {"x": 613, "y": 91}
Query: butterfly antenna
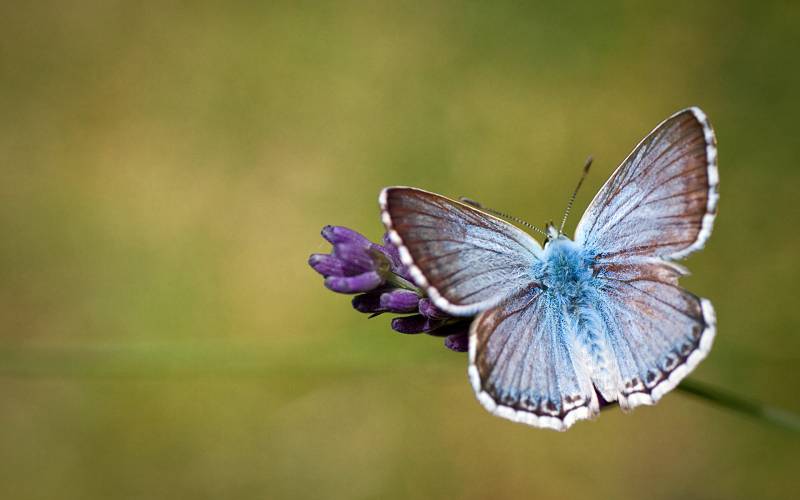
{"x": 575, "y": 193}
{"x": 475, "y": 204}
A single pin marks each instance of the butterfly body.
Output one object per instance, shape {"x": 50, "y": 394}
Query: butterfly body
{"x": 572, "y": 283}
{"x": 602, "y": 314}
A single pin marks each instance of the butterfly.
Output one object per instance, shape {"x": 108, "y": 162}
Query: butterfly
{"x": 560, "y": 326}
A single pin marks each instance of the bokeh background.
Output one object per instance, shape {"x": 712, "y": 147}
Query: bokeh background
{"x": 165, "y": 168}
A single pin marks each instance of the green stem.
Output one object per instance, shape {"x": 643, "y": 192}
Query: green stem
{"x": 775, "y": 416}
{"x": 400, "y": 282}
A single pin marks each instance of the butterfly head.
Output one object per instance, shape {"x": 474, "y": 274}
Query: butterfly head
{"x": 552, "y": 233}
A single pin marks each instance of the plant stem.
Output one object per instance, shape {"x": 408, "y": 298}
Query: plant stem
{"x": 769, "y": 414}
{"x": 400, "y": 282}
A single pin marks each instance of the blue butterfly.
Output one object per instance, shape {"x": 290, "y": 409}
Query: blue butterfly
{"x": 598, "y": 316}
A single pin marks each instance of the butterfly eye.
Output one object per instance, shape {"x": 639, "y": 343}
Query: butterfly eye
{"x": 552, "y": 231}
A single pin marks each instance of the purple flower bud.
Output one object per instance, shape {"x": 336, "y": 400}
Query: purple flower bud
{"x": 338, "y": 235}
{"x": 357, "y": 257}
{"x": 400, "y": 301}
{"x": 368, "y": 302}
{"x": 426, "y": 308}
{"x": 416, "y": 323}
{"x": 329, "y": 265}
{"x": 458, "y": 342}
{"x": 354, "y": 284}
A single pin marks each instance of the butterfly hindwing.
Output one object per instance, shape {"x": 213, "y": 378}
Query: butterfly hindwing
{"x": 466, "y": 259}
{"x": 656, "y": 331}
{"x": 522, "y": 365}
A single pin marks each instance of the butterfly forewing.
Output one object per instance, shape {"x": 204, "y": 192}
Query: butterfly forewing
{"x": 467, "y": 260}
{"x": 661, "y": 201}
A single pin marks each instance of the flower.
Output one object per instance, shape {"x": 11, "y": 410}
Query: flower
{"x": 355, "y": 264}
{"x": 383, "y": 285}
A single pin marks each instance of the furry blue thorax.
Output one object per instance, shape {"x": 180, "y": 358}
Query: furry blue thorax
{"x": 565, "y": 270}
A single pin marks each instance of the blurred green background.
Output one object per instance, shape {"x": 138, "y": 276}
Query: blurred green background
{"x": 166, "y": 168}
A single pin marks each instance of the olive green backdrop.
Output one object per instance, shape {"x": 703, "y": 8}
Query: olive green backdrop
{"x": 165, "y": 169}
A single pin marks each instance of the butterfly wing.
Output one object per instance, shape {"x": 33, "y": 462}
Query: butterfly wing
{"x": 522, "y": 365}
{"x": 466, "y": 260}
{"x": 659, "y": 205}
{"x": 662, "y": 200}
{"x": 656, "y": 331}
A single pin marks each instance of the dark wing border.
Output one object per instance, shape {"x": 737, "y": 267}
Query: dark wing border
{"x": 652, "y": 395}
